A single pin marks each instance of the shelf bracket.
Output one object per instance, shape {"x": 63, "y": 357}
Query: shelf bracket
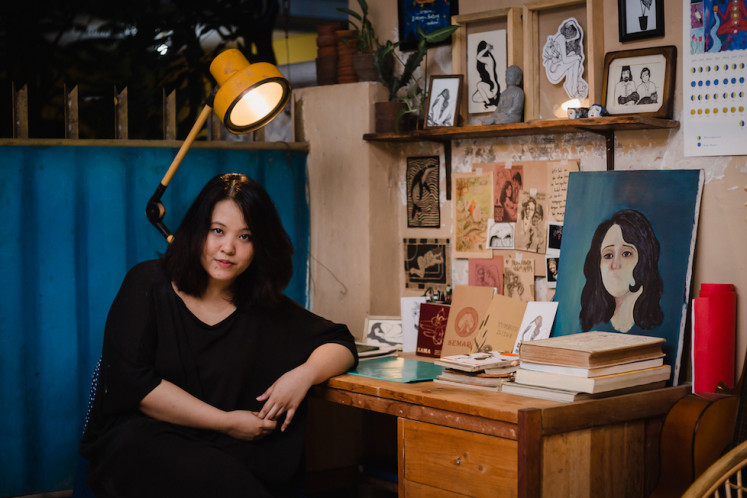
{"x": 609, "y": 145}
{"x": 609, "y": 138}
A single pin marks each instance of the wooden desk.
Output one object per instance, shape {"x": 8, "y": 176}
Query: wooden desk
{"x": 461, "y": 442}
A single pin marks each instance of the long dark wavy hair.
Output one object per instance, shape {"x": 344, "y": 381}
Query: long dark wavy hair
{"x": 272, "y": 267}
{"x": 597, "y": 305}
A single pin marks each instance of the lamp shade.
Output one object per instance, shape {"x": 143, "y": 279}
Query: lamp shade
{"x": 248, "y": 95}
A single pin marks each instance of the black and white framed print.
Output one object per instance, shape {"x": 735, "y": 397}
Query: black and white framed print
{"x": 640, "y": 19}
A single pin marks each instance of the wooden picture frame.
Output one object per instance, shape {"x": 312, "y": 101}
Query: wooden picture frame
{"x": 506, "y": 18}
{"x": 533, "y": 69}
{"x": 637, "y": 21}
{"x": 629, "y": 90}
{"x": 444, "y": 99}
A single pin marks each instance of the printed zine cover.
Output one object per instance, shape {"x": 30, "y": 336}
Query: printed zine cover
{"x": 423, "y": 208}
{"x": 531, "y": 227}
{"x": 432, "y": 328}
{"x": 506, "y": 186}
{"x": 628, "y": 240}
{"x": 427, "y": 263}
{"x": 410, "y": 314}
{"x": 468, "y": 307}
{"x": 518, "y": 278}
{"x": 473, "y": 196}
{"x": 536, "y": 323}
{"x": 500, "y": 327}
{"x": 486, "y": 273}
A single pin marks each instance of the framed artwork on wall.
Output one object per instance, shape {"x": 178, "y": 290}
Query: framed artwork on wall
{"x": 444, "y": 96}
{"x": 640, "y": 19}
{"x": 428, "y": 15}
{"x": 486, "y": 70}
{"x": 640, "y": 81}
{"x": 423, "y": 208}
{"x": 541, "y": 20}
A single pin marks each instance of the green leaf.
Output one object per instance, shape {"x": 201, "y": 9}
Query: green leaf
{"x": 349, "y": 12}
{"x": 440, "y": 34}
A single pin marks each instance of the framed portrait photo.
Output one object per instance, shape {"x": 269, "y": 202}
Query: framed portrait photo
{"x": 640, "y": 81}
{"x": 640, "y": 19}
{"x": 444, "y": 96}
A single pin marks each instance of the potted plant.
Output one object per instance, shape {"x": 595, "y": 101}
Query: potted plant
{"x": 363, "y": 60}
{"x": 389, "y": 113}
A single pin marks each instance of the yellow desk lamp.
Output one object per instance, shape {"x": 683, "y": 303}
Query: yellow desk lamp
{"x": 246, "y": 98}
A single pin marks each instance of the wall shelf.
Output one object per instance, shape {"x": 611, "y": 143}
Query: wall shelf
{"x": 606, "y": 126}
{"x": 602, "y": 126}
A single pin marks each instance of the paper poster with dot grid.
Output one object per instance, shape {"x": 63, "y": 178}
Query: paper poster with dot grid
{"x": 714, "y": 77}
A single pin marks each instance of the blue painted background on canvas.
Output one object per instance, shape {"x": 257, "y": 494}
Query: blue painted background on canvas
{"x": 670, "y": 200}
{"x": 73, "y": 222}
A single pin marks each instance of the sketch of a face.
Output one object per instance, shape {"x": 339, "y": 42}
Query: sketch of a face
{"x": 645, "y": 74}
{"x": 625, "y": 74}
{"x": 529, "y": 209}
{"x": 536, "y": 218}
{"x": 619, "y": 259}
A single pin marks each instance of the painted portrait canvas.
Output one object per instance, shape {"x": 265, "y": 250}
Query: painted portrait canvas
{"x": 628, "y": 241}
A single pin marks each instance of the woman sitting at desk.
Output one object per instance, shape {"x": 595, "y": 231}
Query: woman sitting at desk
{"x": 206, "y": 364}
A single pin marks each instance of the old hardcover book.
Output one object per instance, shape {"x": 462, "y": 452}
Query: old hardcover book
{"x": 475, "y": 362}
{"x": 594, "y": 372}
{"x": 593, "y": 384}
{"x": 563, "y": 395}
{"x": 465, "y": 384}
{"x": 468, "y": 307}
{"x": 591, "y": 349}
{"x": 471, "y": 378}
{"x": 432, "y": 329}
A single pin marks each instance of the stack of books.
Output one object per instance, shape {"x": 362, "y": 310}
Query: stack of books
{"x": 589, "y": 365}
{"x": 478, "y": 370}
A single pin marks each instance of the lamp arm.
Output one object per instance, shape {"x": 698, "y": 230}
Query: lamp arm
{"x": 155, "y": 209}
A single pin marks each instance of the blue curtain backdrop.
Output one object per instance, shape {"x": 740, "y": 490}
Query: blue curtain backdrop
{"x": 72, "y": 223}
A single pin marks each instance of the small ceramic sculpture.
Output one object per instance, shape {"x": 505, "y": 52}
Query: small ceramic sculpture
{"x": 510, "y": 107}
{"x": 597, "y": 110}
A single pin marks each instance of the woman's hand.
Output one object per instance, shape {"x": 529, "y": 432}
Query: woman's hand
{"x": 285, "y": 395}
{"x": 247, "y": 425}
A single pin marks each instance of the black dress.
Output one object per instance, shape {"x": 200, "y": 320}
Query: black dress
{"x": 151, "y": 335}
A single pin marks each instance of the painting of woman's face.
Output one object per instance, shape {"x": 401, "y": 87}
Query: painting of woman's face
{"x": 618, "y": 260}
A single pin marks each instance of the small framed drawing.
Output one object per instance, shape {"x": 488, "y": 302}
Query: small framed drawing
{"x": 640, "y": 81}
{"x": 444, "y": 96}
{"x": 383, "y": 331}
{"x": 640, "y": 19}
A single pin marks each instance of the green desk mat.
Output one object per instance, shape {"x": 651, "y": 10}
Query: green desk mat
{"x": 398, "y": 369}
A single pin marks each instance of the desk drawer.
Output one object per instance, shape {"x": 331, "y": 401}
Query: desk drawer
{"x": 463, "y": 462}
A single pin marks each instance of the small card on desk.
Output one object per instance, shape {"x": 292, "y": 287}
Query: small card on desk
{"x": 398, "y": 369}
